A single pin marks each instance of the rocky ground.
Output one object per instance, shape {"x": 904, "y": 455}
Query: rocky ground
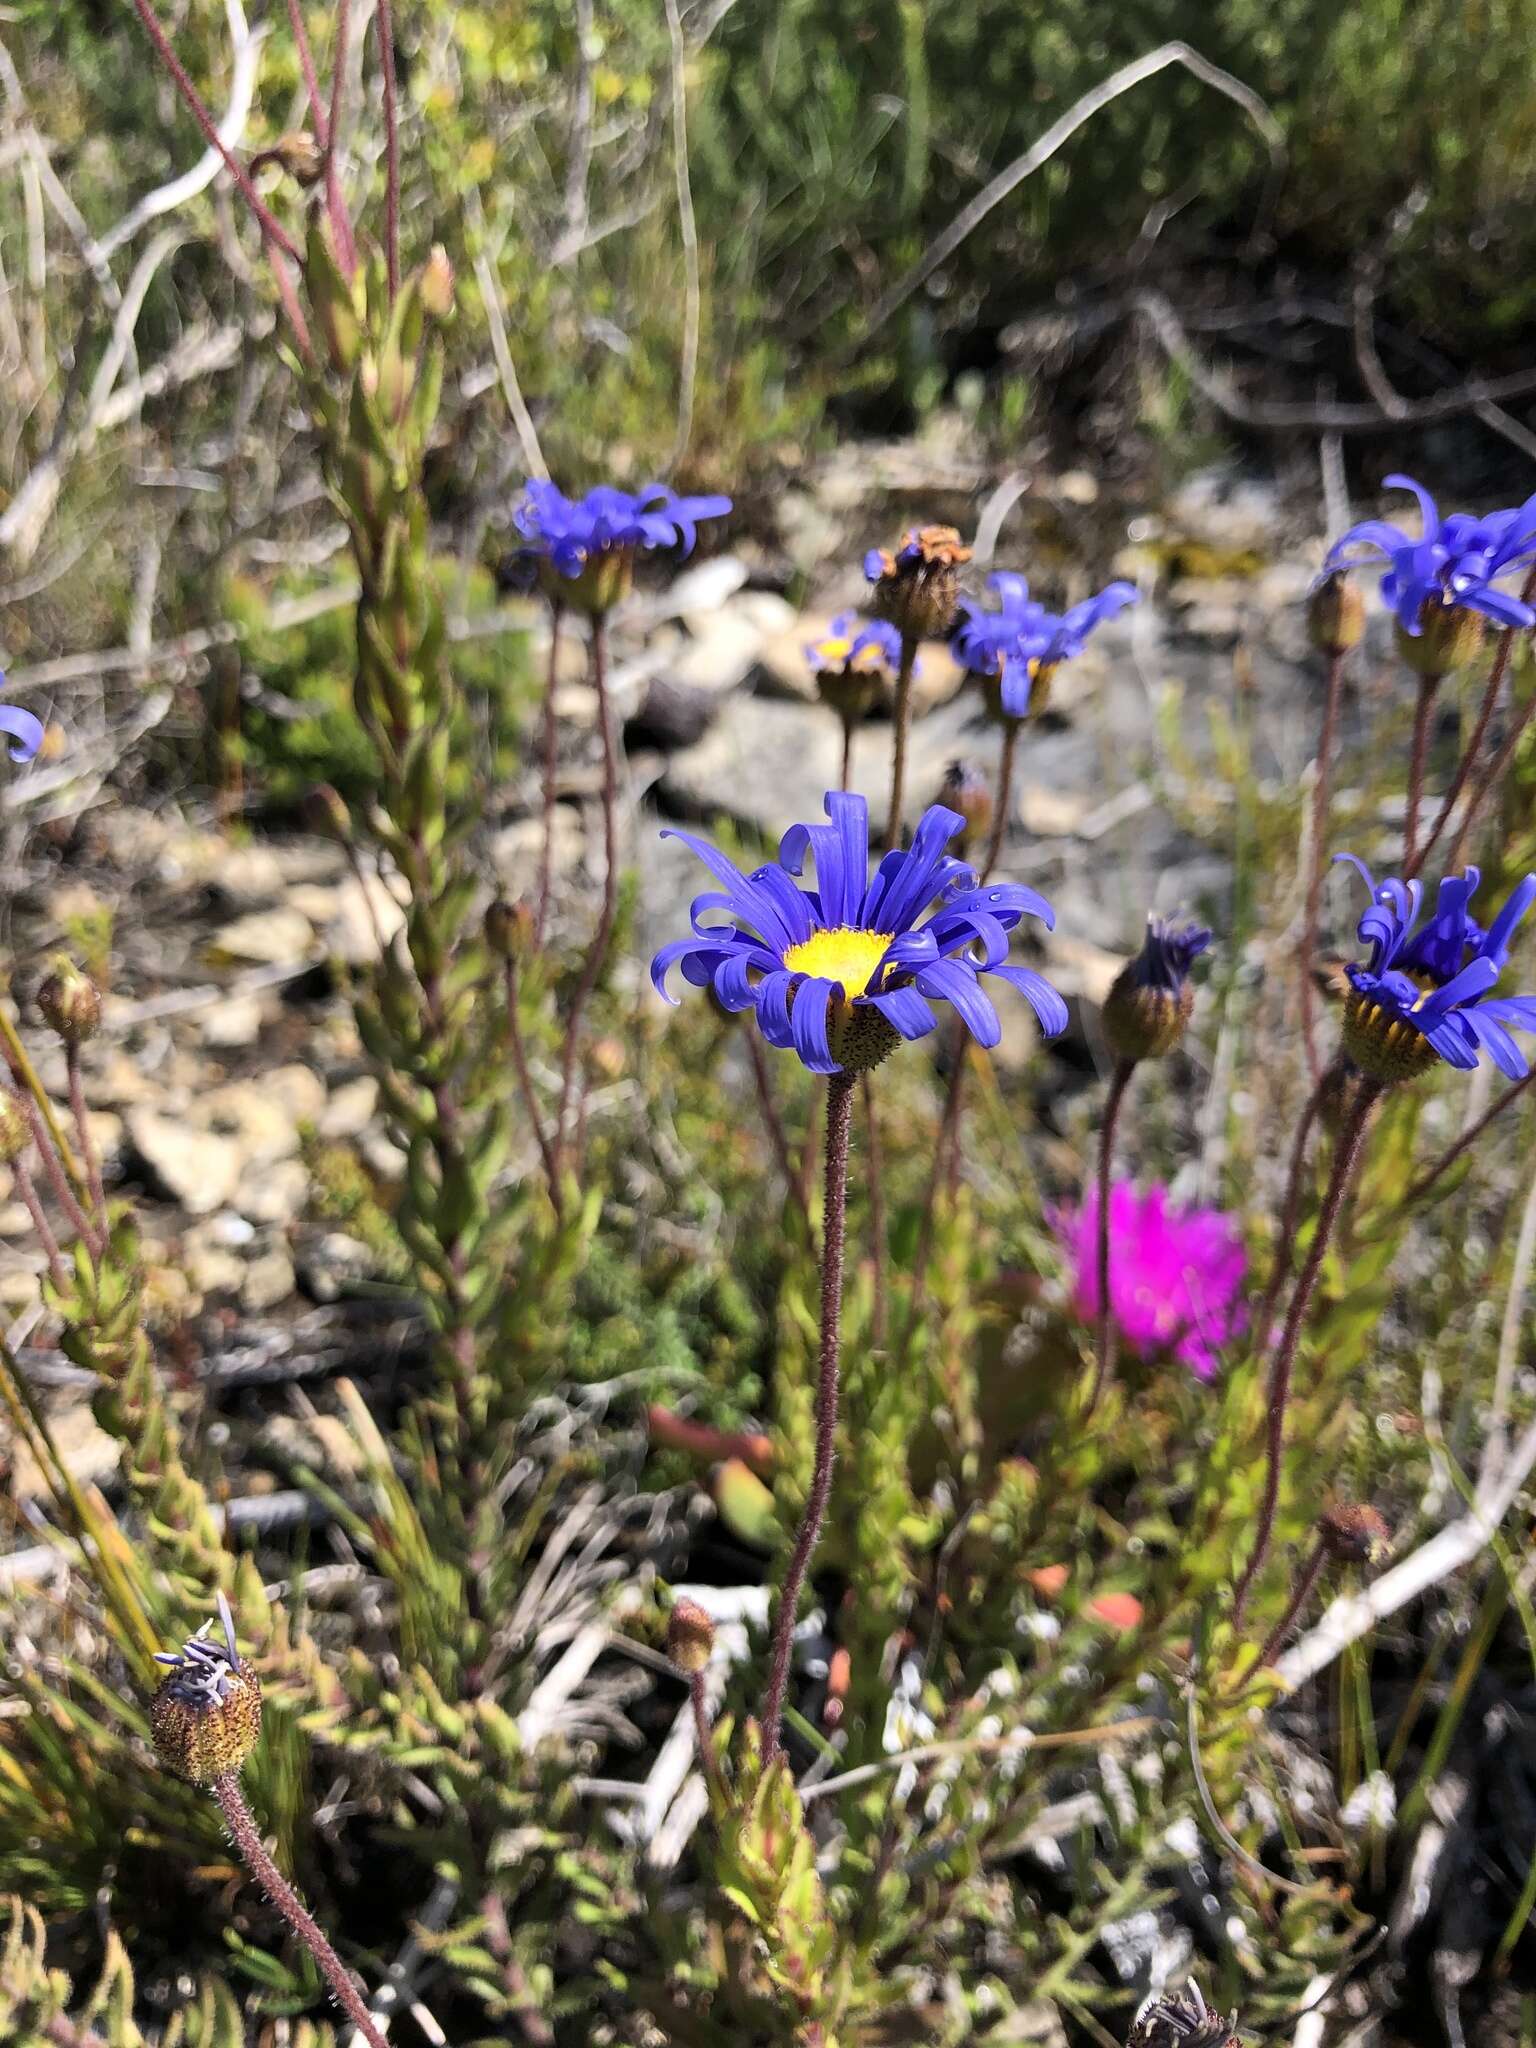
{"x": 227, "y": 1043}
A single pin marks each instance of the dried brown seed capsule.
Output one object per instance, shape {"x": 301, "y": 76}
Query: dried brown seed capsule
{"x": 69, "y": 1003}
{"x": 917, "y": 586}
{"x": 509, "y": 929}
{"x": 690, "y": 1637}
{"x": 1335, "y": 615}
{"x": 1354, "y": 1534}
{"x": 206, "y": 1717}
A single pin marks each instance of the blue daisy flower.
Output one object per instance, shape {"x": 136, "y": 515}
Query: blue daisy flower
{"x": 23, "y": 731}
{"x": 1015, "y": 645}
{"x": 841, "y": 973}
{"x": 1425, "y": 994}
{"x": 1453, "y": 564}
{"x": 589, "y": 543}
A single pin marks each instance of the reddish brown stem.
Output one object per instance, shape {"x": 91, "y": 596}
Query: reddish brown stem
{"x": 1498, "y": 768}
{"x": 270, "y": 226}
{"x": 247, "y": 1838}
{"x": 551, "y": 740}
{"x": 1004, "y": 798}
{"x": 833, "y": 1229}
{"x": 88, "y": 1152}
{"x": 335, "y": 204}
{"x": 703, "y": 1737}
{"x": 307, "y": 67}
{"x": 903, "y": 717}
{"x": 1351, "y": 1138}
{"x": 1317, "y": 857}
{"x": 519, "y": 1049}
{"x": 597, "y": 952}
{"x": 1466, "y": 1141}
{"x": 391, "y": 150}
{"x": 877, "y": 1245}
{"x": 1469, "y": 755}
{"x": 1104, "y": 1325}
{"x": 58, "y": 1180}
{"x": 1308, "y": 1577}
{"x": 26, "y": 1188}
{"x": 1423, "y": 718}
{"x": 1290, "y": 1209}
{"x": 845, "y": 775}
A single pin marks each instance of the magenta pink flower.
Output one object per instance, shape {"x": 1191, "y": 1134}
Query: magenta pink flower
{"x": 1175, "y": 1276}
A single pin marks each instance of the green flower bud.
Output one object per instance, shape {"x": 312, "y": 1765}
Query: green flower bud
{"x": 69, "y": 1003}
{"x": 690, "y": 1637}
{"x": 1449, "y": 636}
{"x": 1335, "y": 614}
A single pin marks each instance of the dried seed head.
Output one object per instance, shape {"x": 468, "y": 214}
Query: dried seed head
{"x": 206, "y": 1717}
{"x": 15, "y": 1132}
{"x": 917, "y": 586}
{"x": 69, "y": 1003}
{"x": 1184, "y": 2021}
{"x": 509, "y": 928}
{"x": 298, "y": 154}
{"x": 690, "y": 1637}
{"x": 1335, "y": 615}
{"x": 1354, "y": 1534}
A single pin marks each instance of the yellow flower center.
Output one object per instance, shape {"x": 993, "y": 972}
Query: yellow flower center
{"x": 844, "y": 955}
{"x": 836, "y": 647}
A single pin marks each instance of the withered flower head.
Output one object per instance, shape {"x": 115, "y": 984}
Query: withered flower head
{"x": 206, "y": 1717}
{"x": 69, "y": 1003}
{"x": 1354, "y": 1533}
{"x": 966, "y": 790}
{"x": 690, "y": 1636}
{"x": 917, "y": 586}
{"x": 1184, "y": 2021}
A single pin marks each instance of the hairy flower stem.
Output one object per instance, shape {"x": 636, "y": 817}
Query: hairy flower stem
{"x": 703, "y": 1736}
{"x": 88, "y": 1151}
{"x": 391, "y": 150}
{"x": 247, "y": 1838}
{"x": 1316, "y": 857}
{"x": 335, "y": 204}
{"x": 1004, "y": 799}
{"x": 833, "y": 1226}
{"x": 53, "y": 1166}
{"x": 878, "y": 1314}
{"x": 1466, "y": 1141}
{"x": 1423, "y": 718}
{"x": 597, "y": 952}
{"x": 1104, "y": 1328}
{"x": 519, "y": 1050}
{"x": 26, "y": 1188}
{"x": 1490, "y": 781}
{"x": 1347, "y": 1151}
{"x": 903, "y": 718}
{"x": 1290, "y": 1208}
{"x": 307, "y": 70}
{"x": 1469, "y": 755}
{"x": 1308, "y": 1577}
{"x": 551, "y": 742}
{"x": 193, "y": 101}
{"x": 845, "y": 776}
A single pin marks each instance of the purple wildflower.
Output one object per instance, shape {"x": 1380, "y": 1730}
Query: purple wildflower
{"x": 1454, "y": 562}
{"x": 840, "y": 973}
{"x": 1425, "y": 992}
{"x": 569, "y": 531}
{"x": 1175, "y": 1279}
{"x": 23, "y": 731}
{"x": 1018, "y": 639}
{"x": 859, "y": 646}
